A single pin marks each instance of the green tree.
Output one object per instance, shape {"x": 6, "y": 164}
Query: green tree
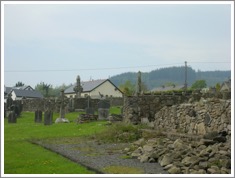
{"x": 217, "y": 86}
{"x": 19, "y": 84}
{"x": 44, "y": 89}
{"x": 127, "y": 88}
{"x": 199, "y": 84}
{"x": 48, "y": 90}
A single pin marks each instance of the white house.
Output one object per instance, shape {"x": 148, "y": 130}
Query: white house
{"x": 29, "y": 94}
{"x": 95, "y": 89}
{"x": 17, "y": 93}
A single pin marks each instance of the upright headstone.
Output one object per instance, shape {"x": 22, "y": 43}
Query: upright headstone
{"x": 12, "y": 117}
{"x": 71, "y": 104}
{"x": 48, "y": 117}
{"x": 103, "y": 109}
{"x": 62, "y": 102}
{"x": 89, "y": 109}
{"x": 38, "y": 116}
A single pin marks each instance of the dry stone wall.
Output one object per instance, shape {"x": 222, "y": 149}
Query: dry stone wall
{"x": 191, "y": 114}
{"x": 81, "y": 103}
{"x": 198, "y": 118}
{"x": 146, "y": 106}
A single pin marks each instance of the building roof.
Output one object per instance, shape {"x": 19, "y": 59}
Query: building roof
{"x": 226, "y": 85}
{"x": 87, "y": 86}
{"x": 8, "y": 89}
{"x": 27, "y": 93}
{"x": 168, "y": 88}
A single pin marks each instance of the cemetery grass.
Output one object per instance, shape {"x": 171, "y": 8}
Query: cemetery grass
{"x": 23, "y": 157}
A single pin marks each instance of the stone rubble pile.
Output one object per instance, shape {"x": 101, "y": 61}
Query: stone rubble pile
{"x": 184, "y": 157}
{"x": 195, "y": 138}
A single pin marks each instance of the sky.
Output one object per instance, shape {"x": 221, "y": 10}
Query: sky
{"x": 53, "y": 43}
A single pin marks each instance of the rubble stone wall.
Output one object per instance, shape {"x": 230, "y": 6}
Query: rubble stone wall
{"x": 146, "y": 106}
{"x": 198, "y": 118}
{"x": 192, "y": 114}
{"x": 81, "y": 103}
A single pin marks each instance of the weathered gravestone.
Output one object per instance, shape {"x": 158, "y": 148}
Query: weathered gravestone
{"x": 38, "y": 116}
{"x": 62, "y": 101}
{"x": 71, "y": 104}
{"x": 48, "y": 117}
{"x": 12, "y": 117}
{"x": 89, "y": 109}
{"x": 103, "y": 109}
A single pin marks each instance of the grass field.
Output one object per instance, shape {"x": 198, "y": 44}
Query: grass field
{"x": 22, "y": 157}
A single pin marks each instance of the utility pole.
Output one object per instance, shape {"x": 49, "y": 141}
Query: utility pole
{"x": 185, "y": 82}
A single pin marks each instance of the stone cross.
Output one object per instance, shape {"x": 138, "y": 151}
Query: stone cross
{"x": 78, "y": 88}
{"x": 62, "y": 101}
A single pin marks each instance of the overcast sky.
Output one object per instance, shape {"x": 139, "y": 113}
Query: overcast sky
{"x": 55, "y": 43}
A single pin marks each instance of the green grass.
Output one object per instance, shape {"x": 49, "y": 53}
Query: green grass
{"x": 120, "y": 132}
{"x": 115, "y": 110}
{"x": 22, "y": 157}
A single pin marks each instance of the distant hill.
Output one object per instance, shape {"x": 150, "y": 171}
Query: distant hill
{"x": 176, "y": 75}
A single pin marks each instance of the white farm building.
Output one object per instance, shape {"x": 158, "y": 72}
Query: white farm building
{"x": 95, "y": 89}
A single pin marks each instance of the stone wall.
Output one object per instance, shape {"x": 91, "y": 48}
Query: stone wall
{"x": 137, "y": 107}
{"x": 193, "y": 114}
{"x": 198, "y": 118}
{"x": 81, "y": 103}
{"x": 39, "y": 104}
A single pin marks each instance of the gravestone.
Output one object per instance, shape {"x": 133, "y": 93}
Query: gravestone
{"x": 48, "y": 117}
{"x": 88, "y": 109}
{"x": 38, "y": 116}
{"x": 62, "y": 101}
{"x": 71, "y": 104}
{"x": 103, "y": 109}
{"x": 12, "y": 117}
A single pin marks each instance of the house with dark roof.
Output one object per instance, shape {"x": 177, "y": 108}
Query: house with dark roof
{"x": 96, "y": 89}
{"x": 18, "y": 93}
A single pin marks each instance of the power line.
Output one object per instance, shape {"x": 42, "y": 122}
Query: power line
{"x": 107, "y": 68}
{"x": 68, "y": 70}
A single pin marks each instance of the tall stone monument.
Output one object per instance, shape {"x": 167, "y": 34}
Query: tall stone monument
{"x": 78, "y": 88}
{"x": 138, "y": 87}
{"x": 62, "y": 101}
